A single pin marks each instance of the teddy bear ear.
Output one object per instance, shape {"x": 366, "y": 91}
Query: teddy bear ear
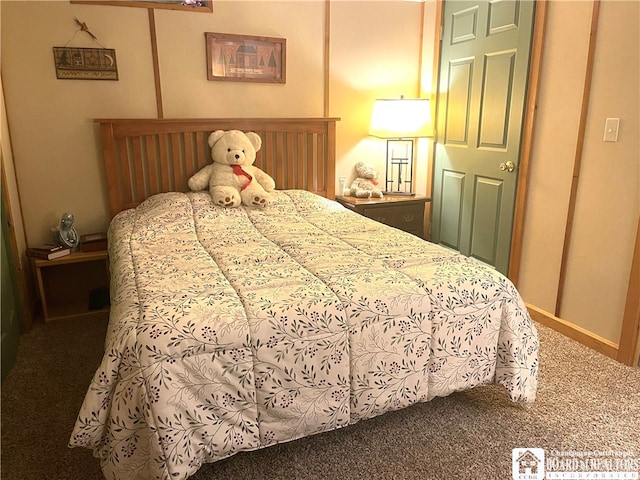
{"x": 215, "y": 136}
{"x": 255, "y": 140}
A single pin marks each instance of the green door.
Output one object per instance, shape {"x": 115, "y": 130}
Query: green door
{"x": 481, "y": 99}
{"x": 9, "y": 308}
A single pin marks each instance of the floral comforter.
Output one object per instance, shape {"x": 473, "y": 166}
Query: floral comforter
{"x": 234, "y": 329}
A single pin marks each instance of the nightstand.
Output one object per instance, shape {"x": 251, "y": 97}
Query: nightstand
{"x": 65, "y": 284}
{"x": 405, "y": 212}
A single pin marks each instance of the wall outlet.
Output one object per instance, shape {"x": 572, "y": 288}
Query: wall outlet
{"x": 611, "y": 126}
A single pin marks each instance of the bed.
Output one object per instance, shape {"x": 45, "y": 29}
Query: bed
{"x": 235, "y": 329}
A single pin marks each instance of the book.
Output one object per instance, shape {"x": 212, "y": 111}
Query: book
{"x": 48, "y": 247}
{"x": 48, "y": 251}
{"x": 93, "y": 242}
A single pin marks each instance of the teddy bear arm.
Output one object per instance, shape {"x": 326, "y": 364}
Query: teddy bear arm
{"x": 200, "y": 180}
{"x": 265, "y": 180}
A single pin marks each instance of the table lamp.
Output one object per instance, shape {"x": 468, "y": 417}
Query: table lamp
{"x": 400, "y": 121}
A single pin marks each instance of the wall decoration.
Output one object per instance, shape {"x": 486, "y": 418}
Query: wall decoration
{"x": 245, "y": 58}
{"x": 73, "y": 63}
{"x": 83, "y": 27}
{"x": 204, "y": 6}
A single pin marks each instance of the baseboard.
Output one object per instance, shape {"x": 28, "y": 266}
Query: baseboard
{"x": 579, "y": 334}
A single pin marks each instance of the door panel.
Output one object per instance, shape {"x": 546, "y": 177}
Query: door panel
{"x": 483, "y": 77}
{"x": 496, "y": 100}
{"x": 464, "y": 25}
{"x": 452, "y": 194}
{"x": 503, "y": 16}
{"x": 484, "y": 237}
{"x": 459, "y": 100}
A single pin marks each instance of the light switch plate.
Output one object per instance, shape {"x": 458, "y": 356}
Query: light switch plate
{"x": 611, "y": 126}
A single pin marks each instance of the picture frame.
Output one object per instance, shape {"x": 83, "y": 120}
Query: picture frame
{"x": 245, "y": 58}
{"x": 202, "y": 6}
{"x": 74, "y": 63}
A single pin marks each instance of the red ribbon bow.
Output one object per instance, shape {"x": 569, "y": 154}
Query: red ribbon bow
{"x": 237, "y": 169}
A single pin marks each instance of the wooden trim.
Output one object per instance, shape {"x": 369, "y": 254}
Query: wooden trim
{"x": 327, "y": 51}
{"x": 415, "y": 150}
{"x": 435, "y": 81}
{"x": 579, "y": 334}
{"x": 25, "y": 313}
{"x": 207, "y": 8}
{"x": 24, "y": 278}
{"x": 420, "y": 51}
{"x": 156, "y": 62}
{"x": 629, "y": 350}
{"x": 519, "y": 215}
{"x": 575, "y": 180}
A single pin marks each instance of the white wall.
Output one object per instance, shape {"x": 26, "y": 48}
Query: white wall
{"x": 608, "y": 195}
{"x": 54, "y": 140}
{"x": 553, "y": 153}
{"x": 375, "y": 51}
{"x": 182, "y": 54}
{"x": 56, "y": 146}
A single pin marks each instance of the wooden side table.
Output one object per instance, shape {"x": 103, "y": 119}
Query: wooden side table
{"x": 400, "y": 211}
{"x": 65, "y": 283}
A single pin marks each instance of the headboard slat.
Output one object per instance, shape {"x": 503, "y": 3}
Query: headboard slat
{"x": 121, "y": 165}
{"x": 203, "y": 154}
{"x": 148, "y": 156}
{"x": 138, "y": 170}
{"x": 300, "y": 165}
{"x": 310, "y": 174}
{"x": 165, "y": 171}
{"x": 191, "y": 163}
{"x": 320, "y": 174}
{"x": 153, "y": 177}
{"x": 290, "y": 157}
{"x": 280, "y": 159}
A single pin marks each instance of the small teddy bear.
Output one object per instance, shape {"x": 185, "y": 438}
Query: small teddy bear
{"x": 231, "y": 178}
{"x": 365, "y": 185}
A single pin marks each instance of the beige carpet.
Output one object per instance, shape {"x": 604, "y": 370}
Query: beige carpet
{"x": 585, "y": 402}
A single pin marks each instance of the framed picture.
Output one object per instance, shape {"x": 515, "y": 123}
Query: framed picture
{"x": 245, "y": 58}
{"x": 205, "y": 6}
{"x": 74, "y": 63}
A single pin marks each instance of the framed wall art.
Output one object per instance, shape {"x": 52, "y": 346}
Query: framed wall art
{"x": 73, "y": 63}
{"x": 245, "y": 58}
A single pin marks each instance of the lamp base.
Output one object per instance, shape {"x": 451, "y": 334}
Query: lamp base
{"x": 399, "y": 172}
{"x": 407, "y": 194}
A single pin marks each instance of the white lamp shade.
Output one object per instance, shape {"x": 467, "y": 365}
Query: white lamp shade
{"x": 401, "y": 118}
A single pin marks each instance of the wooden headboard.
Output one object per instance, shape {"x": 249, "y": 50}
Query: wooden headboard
{"x": 148, "y": 156}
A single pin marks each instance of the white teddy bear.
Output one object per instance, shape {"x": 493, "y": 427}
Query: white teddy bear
{"x": 365, "y": 185}
{"x": 231, "y": 178}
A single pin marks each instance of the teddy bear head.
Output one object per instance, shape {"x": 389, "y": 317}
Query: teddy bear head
{"x": 365, "y": 170}
{"x": 233, "y": 147}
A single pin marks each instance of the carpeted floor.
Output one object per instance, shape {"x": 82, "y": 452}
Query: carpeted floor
{"x": 586, "y": 402}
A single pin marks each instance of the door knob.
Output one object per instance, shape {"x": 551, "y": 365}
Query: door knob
{"x": 509, "y": 166}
